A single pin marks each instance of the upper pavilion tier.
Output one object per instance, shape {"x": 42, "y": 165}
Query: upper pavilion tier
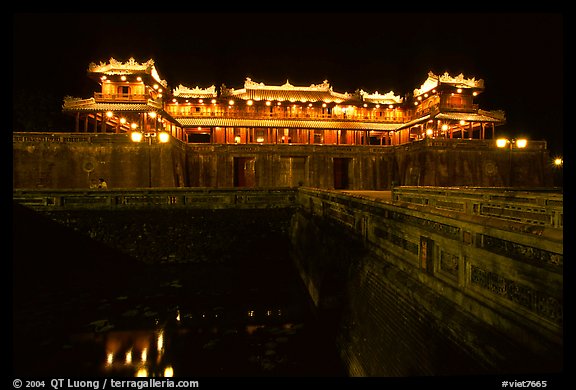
{"x": 117, "y": 69}
{"x": 433, "y": 82}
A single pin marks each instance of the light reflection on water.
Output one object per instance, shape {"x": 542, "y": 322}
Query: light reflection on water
{"x": 253, "y": 342}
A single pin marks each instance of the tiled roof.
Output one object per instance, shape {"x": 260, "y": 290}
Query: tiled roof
{"x": 109, "y": 107}
{"x": 286, "y": 123}
{"x": 469, "y": 117}
{"x": 413, "y": 122}
{"x": 288, "y": 95}
{"x": 287, "y": 92}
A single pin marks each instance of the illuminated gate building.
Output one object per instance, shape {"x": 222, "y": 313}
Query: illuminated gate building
{"x": 288, "y": 135}
{"x": 133, "y": 97}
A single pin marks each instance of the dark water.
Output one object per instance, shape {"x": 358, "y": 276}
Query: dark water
{"x": 81, "y": 308}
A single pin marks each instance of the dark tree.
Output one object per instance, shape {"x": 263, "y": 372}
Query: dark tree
{"x": 37, "y": 110}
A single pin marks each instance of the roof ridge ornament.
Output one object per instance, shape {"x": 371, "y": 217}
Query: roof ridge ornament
{"x": 388, "y": 97}
{"x": 433, "y": 81}
{"x": 183, "y": 90}
{"x": 115, "y": 67}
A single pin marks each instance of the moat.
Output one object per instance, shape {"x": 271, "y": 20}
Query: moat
{"x": 287, "y": 283}
{"x": 91, "y": 310}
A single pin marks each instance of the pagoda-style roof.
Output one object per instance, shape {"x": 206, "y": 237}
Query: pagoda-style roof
{"x": 377, "y": 98}
{"x": 192, "y": 93}
{"x": 470, "y": 117}
{"x": 114, "y": 67}
{"x": 72, "y": 104}
{"x": 433, "y": 81}
{"x": 287, "y": 92}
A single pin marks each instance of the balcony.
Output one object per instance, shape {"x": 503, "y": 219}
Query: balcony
{"x": 286, "y": 115}
{"x": 121, "y": 97}
{"x": 458, "y": 107}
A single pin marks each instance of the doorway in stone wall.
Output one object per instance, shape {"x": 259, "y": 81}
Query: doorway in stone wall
{"x": 244, "y": 172}
{"x": 341, "y": 178}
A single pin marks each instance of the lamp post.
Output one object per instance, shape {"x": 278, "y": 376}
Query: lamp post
{"x": 160, "y": 137}
{"x": 510, "y": 144}
{"x": 558, "y": 163}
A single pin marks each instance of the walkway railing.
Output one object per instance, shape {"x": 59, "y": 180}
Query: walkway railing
{"x": 165, "y": 197}
{"x": 532, "y": 206}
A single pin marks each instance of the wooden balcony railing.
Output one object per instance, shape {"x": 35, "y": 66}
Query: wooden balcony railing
{"x": 122, "y": 97}
{"x": 283, "y": 115}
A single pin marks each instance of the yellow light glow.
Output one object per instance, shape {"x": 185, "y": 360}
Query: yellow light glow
{"x": 425, "y": 95}
{"x": 155, "y": 86}
{"x": 390, "y": 106}
{"x": 159, "y": 95}
{"x": 429, "y": 132}
{"x": 459, "y": 90}
{"x": 103, "y": 78}
{"x": 122, "y": 120}
{"x": 501, "y": 142}
{"x": 163, "y": 137}
{"x": 558, "y": 161}
{"x": 109, "y": 359}
{"x": 309, "y": 104}
{"x": 237, "y": 139}
{"x": 365, "y": 105}
{"x": 144, "y": 355}
{"x": 444, "y": 127}
{"x": 174, "y": 101}
{"x": 462, "y": 122}
{"x": 231, "y": 102}
{"x": 268, "y": 103}
{"x": 415, "y": 103}
{"x": 168, "y": 371}
{"x": 109, "y": 114}
{"x": 377, "y": 106}
{"x": 142, "y": 372}
{"x": 178, "y": 315}
{"x": 521, "y": 143}
{"x": 419, "y": 97}
{"x": 260, "y": 139}
{"x": 200, "y": 101}
{"x": 134, "y": 125}
{"x": 123, "y": 78}
{"x": 136, "y": 136}
{"x": 139, "y": 78}
{"x": 160, "y": 341}
{"x": 152, "y": 114}
{"x": 474, "y": 93}
{"x": 129, "y": 357}
{"x": 213, "y": 101}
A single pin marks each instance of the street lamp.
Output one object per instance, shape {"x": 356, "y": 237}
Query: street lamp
{"x": 161, "y": 137}
{"x": 558, "y": 164}
{"x": 514, "y": 143}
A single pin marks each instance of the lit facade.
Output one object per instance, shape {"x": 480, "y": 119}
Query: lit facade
{"x": 134, "y": 98}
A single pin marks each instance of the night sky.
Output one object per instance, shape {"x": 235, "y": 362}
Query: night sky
{"x": 519, "y": 55}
